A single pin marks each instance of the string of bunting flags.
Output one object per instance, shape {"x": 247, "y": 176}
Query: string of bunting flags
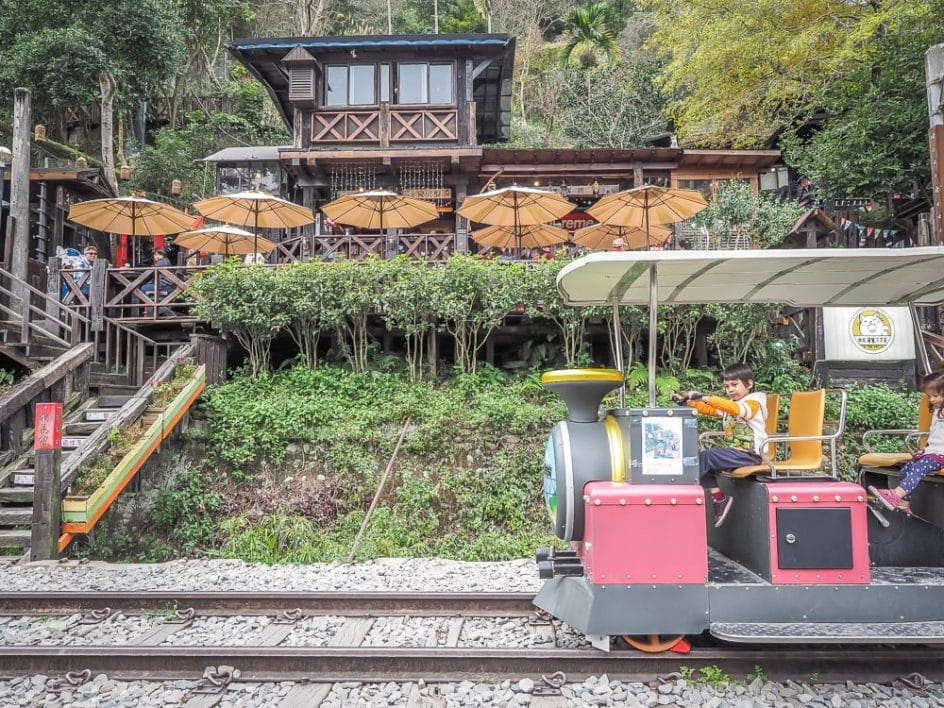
{"x": 889, "y": 235}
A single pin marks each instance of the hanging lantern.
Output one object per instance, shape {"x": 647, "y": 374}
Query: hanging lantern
{"x": 81, "y": 163}
{"x": 39, "y": 133}
{"x": 124, "y": 172}
{"x": 176, "y": 186}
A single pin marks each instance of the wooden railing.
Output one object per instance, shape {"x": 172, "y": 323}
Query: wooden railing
{"x": 41, "y": 318}
{"x": 386, "y": 125}
{"x": 58, "y": 380}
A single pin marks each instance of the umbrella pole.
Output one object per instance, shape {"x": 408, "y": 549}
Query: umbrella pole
{"x": 646, "y": 211}
{"x": 653, "y": 308}
{"x": 618, "y": 349}
{"x": 255, "y": 235}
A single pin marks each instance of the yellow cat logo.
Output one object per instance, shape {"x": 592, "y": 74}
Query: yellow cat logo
{"x": 872, "y": 330}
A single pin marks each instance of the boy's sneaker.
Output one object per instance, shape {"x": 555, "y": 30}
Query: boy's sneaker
{"x": 721, "y": 507}
{"x": 890, "y": 500}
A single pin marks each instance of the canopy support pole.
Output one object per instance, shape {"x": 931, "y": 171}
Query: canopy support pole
{"x": 653, "y": 306}
{"x": 921, "y": 347}
{"x": 618, "y": 349}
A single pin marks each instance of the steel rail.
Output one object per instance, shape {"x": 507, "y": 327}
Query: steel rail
{"x": 375, "y": 664}
{"x": 477, "y": 604}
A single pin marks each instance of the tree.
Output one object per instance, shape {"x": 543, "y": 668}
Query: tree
{"x": 875, "y": 140}
{"x": 736, "y": 210}
{"x": 740, "y": 70}
{"x": 590, "y": 41}
{"x": 59, "y": 50}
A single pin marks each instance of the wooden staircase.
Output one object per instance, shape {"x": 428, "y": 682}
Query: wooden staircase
{"x": 93, "y": 368}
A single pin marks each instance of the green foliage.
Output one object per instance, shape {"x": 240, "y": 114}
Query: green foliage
{"x": 7, "y": 380}
{"x": 735, "y": 210}
{"x": 242, "y": 301}
{"x": 183, "y": 514}
{"x": 58, "y": 49}
{"x": 589, "y": 41}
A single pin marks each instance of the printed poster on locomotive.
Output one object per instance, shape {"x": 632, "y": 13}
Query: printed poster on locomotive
{"x": 662, "y": 446}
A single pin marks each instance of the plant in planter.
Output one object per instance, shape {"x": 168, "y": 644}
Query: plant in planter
{"x": 121, "y": 440}
{"x": 165, "y": 392}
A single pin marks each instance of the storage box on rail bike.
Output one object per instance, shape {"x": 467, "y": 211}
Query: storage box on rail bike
{"x": 818, "y": 532}
{"x": 645, "y": 534}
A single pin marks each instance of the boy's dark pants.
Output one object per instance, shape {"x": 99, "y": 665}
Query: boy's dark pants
{"x": 718, "y": 459}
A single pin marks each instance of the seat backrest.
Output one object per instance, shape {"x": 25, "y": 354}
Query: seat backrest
{"x": 773, "y": 411}
{"x": 924, "y": 419}
{"x": 807, "y": 414}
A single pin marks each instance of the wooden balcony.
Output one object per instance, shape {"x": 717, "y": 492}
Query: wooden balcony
{"x": 390, "y": 126}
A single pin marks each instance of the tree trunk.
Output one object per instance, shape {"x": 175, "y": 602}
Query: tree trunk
{"x": 107, "y": 83}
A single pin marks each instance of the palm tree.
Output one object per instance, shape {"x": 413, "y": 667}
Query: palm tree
{"x": 590, "y": 39}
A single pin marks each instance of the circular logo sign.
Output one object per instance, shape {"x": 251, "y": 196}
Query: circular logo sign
{"x": 872, "y": 330}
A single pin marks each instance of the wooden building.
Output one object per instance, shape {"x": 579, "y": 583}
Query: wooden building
{"x": 426, "y": 115}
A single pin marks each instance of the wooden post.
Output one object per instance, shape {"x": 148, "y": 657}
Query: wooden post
{"x": 97, "y": 294}
{"x": 934, "y": 74}
{"x": 210, "y": 351}
{"x": 19, "y": 187}
{"x": 462, "y": 224}
{"x": 47, "y": 497}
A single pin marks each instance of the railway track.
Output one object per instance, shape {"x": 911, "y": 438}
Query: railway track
{"x": 158, "y": 649}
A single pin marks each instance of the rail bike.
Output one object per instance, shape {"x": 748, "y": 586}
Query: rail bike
{"x": 802, "y": 557}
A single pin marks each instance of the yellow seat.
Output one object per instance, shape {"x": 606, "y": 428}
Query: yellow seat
{"x": 773, "y": 412}
{"x": 914, "y": 438}
{"x": 804, "y": 436}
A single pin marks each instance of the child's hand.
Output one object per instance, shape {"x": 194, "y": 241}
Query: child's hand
{"x": 679, "y": 398}
{"x": 695, "y": 395}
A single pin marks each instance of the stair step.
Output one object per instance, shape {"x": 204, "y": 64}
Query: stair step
{"x": 112, "y": 401}
{"x": 16, "y": 516}
{"x": 14, "y": 539}
{"x": 23, "y": 478}
{"x": 71, "y": 443}
{"x": 16, "y": 495}
{"x": 80, "y": 428}
{"x": 116, "y": 390}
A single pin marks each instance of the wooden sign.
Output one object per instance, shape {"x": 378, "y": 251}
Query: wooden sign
{"x": 98, "y": 415}
{"x": 48, "y": 431}
{"x": 444, "y": 194}
{"x": 72, "y": 443}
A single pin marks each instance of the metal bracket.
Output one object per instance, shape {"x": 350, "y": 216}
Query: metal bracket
{"x": 216, "y": 680}
{"x": 914, "y": 681}
{"x": 552, "y": 684}
{"x": 540, "y": 618}
{"x": 95, "y": 616}
{"x": 288, "y": 616}
{"x": 182, "y": 616}
{"x": 71, "y": 680}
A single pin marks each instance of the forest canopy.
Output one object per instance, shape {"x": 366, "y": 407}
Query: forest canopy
{"x": 837, "y": 84}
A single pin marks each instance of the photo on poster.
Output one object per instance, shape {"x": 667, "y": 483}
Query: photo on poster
{"x": 662, "y": 446}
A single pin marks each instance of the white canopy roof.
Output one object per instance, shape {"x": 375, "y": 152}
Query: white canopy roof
{"x": 805, "y": 278}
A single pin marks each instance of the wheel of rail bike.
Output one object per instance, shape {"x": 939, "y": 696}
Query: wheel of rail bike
{"x": 653, "y": 643}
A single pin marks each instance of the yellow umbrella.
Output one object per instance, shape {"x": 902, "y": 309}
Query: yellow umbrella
{"x": 256, "y": 210}
{"x": 380, "y": 210}
{"x": 134, "y": 216}
{"x": 601, "y": 236}
{"x": 647, "y": 205}
{"x": 515, "y": 206}
{"x": 526, "y": 237}
{"x": 224, "y": 239}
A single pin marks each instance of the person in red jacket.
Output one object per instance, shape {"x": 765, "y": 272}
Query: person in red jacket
{"x": 744, "y": 418}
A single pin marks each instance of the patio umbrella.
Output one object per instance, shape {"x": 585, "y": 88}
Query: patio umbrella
{"x": 130, "y": 215}
{"x": 380, "y": 209}
{"x": 515, "y": 207}
{"x": 534, "y": 236}
{"x": 255, "y": 210}
{"x": 601, "y": 236}
{"x": 224, "y": 239}
{"x": 646, "y": 205}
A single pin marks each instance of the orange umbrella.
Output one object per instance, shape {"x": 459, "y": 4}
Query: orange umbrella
{"x": 380, "y": 210}
{"x": 256, "y": 210}
{"x": 135, "y": 216}
{"x": 647, "y": 205}
{"x": 601, "y": 236}
{"x": 515, "y": 207}
{"x": 525, "y": 236}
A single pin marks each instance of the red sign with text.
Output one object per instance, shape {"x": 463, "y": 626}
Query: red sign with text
{"x": 576, "y": 220}
{"x": 48, "y": 430}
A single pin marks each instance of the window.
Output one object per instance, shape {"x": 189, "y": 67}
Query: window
{"x": 350, "y": 85}
{"x": 384, "y": 82}
{"x": 424, "y": 83}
